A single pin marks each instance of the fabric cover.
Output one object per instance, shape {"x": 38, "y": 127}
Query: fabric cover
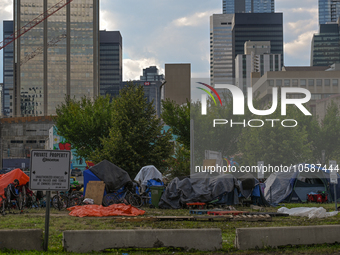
{"x": 89, "y": 176}
{"x": 148, "y": 173}
{"x": 195, "y": 189}
{"x": 101, "y": 211}
{"x": 6, "y": 179}
{"x": 113, "y": 176}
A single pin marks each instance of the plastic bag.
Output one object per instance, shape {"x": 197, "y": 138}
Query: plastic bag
{"x": 310, "y": 212}
{"x": 88, "y": 201}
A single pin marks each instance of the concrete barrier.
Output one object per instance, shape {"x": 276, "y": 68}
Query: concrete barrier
{"x": 99, "y": 240}
{"x": 251, "y": 238}
{"x": 22, "y": 239}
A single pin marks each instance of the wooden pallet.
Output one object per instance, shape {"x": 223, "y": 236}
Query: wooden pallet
{"x": 252, "y": 218}
{"x": 272, "y": 214}
{"x": 225, "y": 212}
{"x": 229, "y": 217}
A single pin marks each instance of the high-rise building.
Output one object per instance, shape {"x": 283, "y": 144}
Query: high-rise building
{"x": 110, "y": 65}
{"x": 178, "y": 80}
{"x": 256, "y": 59}
{"x": 66, "y": 61}
{"x": 8, "y": 67}
{"x": 258, "y": 27}
{"x": 151, "y": 74}
{"x": 221, "y": 49}
{"x": 329, "y": 11}
{"x": 248, "y": 6}
{"x": 325, "y": 49}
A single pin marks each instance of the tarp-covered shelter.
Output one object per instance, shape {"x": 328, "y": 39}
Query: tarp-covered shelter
{"x": 294, "y": 184}
{"x": 113, "y": 176}
{"x": 148, "y": 173}
{"x": 251, "y": 188}
{"x": 199, "y": 189}
{"x": 8, "y": 178}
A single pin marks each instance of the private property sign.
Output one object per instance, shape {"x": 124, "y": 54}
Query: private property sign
{"x": 50, "y": 170}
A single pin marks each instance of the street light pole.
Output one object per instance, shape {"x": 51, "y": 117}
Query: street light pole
{"x": 160, "y": 98}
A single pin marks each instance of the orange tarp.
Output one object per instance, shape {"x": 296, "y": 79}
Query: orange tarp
{"x": 101, "y": 211}
{"x": 8, "y": 178}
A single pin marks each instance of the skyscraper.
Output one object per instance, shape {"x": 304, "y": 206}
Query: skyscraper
{"x": 248, "y": 6}
{"x": 221, "y": 49}
{"x": 258, "y": 27}
{"x": 325, "y": 49}
{"x": 66, "y": 60}
{"x": 329, "y": 11}
{"x": 151, "y": 74}
{"x": 110, "y": 69}
{"x": 8, "y": 88}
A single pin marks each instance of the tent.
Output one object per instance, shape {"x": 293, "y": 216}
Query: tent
{"x": 8, "y": 178}
{"x": 251, "y": 188}
{"x": 113, "y": 176}
{"x": 199, "y": 189}
{"x": 294, "y": 184}
{"x": 89, "y": 176}
{"x": 148, "y": 173}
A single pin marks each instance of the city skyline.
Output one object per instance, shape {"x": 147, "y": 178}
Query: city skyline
{"x": 181, "y": 34}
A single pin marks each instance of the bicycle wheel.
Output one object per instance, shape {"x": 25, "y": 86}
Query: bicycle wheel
{"x": 110, "y": 199}
{"x": 135, "y": 200}
{"x": 59, "y": 202}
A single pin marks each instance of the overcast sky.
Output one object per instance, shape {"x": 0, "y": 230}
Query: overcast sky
{"x": 177, "y": 31}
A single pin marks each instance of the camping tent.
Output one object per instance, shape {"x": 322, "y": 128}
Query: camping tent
{"x": 198, "y": 189}
{"x": 250, "y": 187}
{"x": 148, "y": 173}
{"x": 89, "y": 176}
{"x": 8, "y": 178}
{"x": 296, "y": 183}
{"x": 113, "y": 176}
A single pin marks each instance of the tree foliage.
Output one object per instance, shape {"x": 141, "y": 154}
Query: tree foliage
{"x": 178, "y": 118}
{"x": 83, "y": 122}
{"x": 135, "y": 138}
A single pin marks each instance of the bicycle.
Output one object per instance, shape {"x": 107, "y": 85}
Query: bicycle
{"x": 59, "y": 201}
{"x": 126, "y": 197}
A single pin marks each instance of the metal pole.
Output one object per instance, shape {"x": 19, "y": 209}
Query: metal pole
{"x": 47, "y": 219}
{"x": 336, "y": 205}
{"x": 271, "y": 199}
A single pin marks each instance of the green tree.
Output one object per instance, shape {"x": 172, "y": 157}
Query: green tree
{"x": 328, "y": 137}
{"x": 178, "y": 118}
{"x": 179, "y": 165}
{"x": 275, "y": 144}
{"x": 83, "y": 122}
{"x": 136, "y": 138}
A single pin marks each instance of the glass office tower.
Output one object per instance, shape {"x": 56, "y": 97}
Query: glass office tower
{"x": 111, "y": 71}
{"x": 65, "y": 48}
{"x": 329, "y": 11}
{"x": 8, "y": 88}
{"x": 325, "y": 49}
{"x": 248, "y": 6}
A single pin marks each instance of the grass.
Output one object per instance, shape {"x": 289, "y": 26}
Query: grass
{"x": 61, "y": 221}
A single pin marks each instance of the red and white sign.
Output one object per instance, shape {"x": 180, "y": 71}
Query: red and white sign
{"x": 146, "y": 83}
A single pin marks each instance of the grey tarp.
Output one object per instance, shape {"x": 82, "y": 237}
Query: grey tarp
{"x": 180, "y": 192}
{"x": 278, "y": 187}
{"x": 113, "y": 176}
{"x": 148, "y": 173}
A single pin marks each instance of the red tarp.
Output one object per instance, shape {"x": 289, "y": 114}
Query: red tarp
{"x": 8, "y": 178}
{"x": 101, "y": 211}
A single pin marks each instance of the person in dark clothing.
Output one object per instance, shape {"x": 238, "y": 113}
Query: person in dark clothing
{"x": 12, "y": 187}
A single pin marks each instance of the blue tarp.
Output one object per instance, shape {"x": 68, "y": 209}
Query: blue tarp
{"x": 89, "y": 176}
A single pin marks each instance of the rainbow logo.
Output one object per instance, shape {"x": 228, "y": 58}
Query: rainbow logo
{"x": 208, "y": 92}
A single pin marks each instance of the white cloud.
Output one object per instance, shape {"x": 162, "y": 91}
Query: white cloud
{"x": 133, "y": 69}
{"x": 196, "y": 19}
{"x": 107, "y": 21}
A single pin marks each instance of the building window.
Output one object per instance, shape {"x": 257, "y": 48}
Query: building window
{"x": 318, "y": 82}
{"x": 278, "y": 83}
{"x": 335, "y": 82}
{"x": 327, "y": 82}
{"x": 310, "y": 82}
{"x": 302, "y": 82}
{"x": 287, "y": 83}
{"x": 316, "y": 96}
{"x": 271, "y": 82}
{"x": 295, "y": 82}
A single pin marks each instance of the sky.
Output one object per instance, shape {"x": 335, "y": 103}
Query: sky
{"x": 156, "y": 32}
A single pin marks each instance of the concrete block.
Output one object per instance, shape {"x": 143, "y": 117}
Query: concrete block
{"x": 252, "y": 238}
{"x": 99, "y": 240}
{"x": 22, "y": 239}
